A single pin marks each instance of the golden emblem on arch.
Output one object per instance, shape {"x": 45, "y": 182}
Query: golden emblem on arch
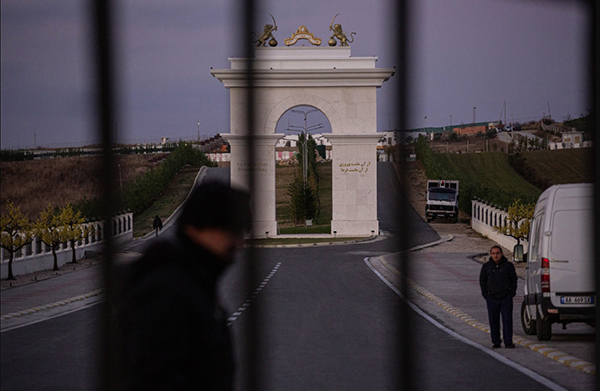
{"x": 302, "y": 33}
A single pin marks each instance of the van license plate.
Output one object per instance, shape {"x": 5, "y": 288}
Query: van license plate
{"x": 577, "y": 300}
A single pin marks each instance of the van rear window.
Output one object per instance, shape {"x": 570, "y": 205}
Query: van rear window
{"x": 572, "y": 234}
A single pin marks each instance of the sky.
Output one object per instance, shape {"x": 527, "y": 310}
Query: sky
{"x": 467, "y": 58}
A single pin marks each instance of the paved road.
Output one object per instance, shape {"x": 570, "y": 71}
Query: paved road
{"x": 327, "y": 317}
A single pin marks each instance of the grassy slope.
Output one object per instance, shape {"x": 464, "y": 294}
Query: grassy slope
{"x": 562, "y": 166}
{"x": 174, "y": 195}
{"x": 492, "y": 172}
{"x": 491, "y": 177}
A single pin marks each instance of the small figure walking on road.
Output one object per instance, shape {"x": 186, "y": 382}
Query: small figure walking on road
{"x": 157, "y": 225}
{"x": 498, "y": 281}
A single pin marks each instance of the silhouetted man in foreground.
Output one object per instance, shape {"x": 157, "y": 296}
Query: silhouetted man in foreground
{"x": 171, "y": 332}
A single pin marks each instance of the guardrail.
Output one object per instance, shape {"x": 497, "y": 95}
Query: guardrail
{"x": 485, "y": 216}
{"x": 37, "y": 255}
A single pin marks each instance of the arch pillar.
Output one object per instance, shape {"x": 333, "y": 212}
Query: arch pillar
{"x": 263, "y": 194}
{"x": 354, "y": 176}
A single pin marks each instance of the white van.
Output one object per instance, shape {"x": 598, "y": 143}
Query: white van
{"x": 560, "y": 286}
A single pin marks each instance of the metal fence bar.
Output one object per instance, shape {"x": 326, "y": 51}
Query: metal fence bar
{"x": 252, "y": 334}
{"x": 592, "y": 76}
{"x": 101, "y": 19}
{"x": 405, "y": 342}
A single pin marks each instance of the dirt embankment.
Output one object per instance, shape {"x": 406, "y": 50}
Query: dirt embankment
{"x": 34, "y": 184}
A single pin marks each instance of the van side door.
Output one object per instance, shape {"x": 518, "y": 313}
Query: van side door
{"x": 536, "y": 238}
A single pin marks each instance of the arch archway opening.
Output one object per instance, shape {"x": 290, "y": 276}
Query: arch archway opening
{"x": 303, "y": 173}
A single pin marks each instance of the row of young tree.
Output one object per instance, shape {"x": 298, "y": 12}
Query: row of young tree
{"x": 54, "y": 227}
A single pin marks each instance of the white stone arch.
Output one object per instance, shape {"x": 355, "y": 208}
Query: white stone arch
{"x": 344, "y": 89}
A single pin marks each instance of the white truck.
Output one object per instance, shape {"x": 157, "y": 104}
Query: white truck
{"x": 560, "y": 286}
{"x": 442, "y": 200}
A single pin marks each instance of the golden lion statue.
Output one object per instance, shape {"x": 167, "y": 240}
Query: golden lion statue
{"x": 341, "y": 36}
{"x": 267, "y": 33}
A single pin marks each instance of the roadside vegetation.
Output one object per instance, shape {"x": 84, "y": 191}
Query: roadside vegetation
{"x": 155, "y": 191}
{"x": 145, "y": 189}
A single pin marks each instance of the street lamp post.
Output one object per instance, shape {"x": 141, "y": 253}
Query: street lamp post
{"x": 305, "y": 132}
{"x": 198, "y": 130}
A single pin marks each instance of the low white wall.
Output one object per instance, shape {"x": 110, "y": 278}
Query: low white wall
{"x": 36, "y": 257}
{"x": 483, "y": 219}
{"x": 219, "y": 157}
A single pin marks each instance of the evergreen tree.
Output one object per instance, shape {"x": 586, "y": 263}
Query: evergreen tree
{"x": 304, "y": 194}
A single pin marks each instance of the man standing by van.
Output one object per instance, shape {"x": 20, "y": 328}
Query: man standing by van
{"x": 498, "y": 281}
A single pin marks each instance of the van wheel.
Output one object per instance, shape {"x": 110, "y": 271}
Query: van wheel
{"x": 543, "y": 327}
{"x": 528, "y": 324}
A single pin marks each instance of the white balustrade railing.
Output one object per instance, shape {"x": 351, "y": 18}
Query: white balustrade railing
{"x": 38, "y": 256}
{"x": 484, "y": 217}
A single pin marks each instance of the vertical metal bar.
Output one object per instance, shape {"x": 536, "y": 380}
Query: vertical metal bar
{"x": 100, "y": 13}
{"x": 252, "y": 335}
{"x": 593, "y": 16}
{"x": 406, "y": 348}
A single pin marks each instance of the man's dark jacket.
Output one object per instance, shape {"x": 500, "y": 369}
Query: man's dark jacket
{"x": 498, "y": 281}
{"x": 171, "y": 333}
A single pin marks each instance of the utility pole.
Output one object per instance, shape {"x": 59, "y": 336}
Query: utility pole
{"x": 474, "y": 114}
{"x": 549, "y": 115}
{"x": 34, "y": 139}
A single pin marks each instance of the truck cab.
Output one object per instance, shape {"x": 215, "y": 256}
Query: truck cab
{"x": 442, "y": 200}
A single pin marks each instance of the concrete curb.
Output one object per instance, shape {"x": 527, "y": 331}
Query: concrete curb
{"x": 440, "y": 241}
{"x": 51, "y": 305}
{"x": 319, "y": 244}
{"x": 369, "y": 239}
{"x": 555, "y": 354}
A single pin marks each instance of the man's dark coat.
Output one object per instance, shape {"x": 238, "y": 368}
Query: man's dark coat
{"x": 171, "y": 333}
{"x": 498, "y": 281}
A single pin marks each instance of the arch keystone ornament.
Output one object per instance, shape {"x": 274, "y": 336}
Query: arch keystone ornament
{"x": 302, "y": 33}
{"x": 340, "y": 86}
